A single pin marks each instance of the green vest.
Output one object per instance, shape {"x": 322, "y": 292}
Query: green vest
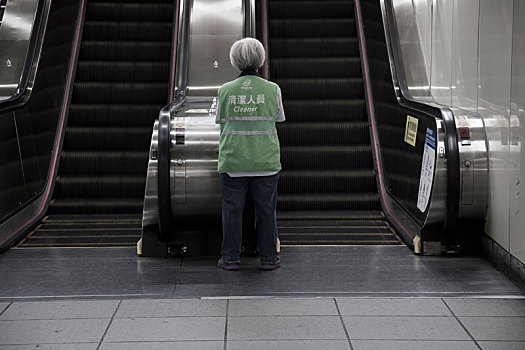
{"x": 247, "y": 112}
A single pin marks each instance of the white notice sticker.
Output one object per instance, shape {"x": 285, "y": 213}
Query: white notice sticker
{"x": 427, "y": 170}
{"x": 411, "y": 130}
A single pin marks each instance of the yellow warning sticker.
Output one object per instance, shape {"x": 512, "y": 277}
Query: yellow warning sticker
{"x": 411, "y": 130}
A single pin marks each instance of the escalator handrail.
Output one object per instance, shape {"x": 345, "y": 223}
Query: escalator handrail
{"x": 439, "y": 112}
{"x": 419, "y": 109}
{"x": 34, "y": 44}
{"x": 163, "y": 175}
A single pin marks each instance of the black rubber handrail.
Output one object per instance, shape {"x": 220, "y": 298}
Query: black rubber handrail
{"x": 28, "y": 62}
{"x": 453, "y": 173}
{"x": 163, "y": 175}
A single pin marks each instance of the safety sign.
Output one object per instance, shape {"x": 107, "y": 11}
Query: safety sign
{"x": 427, "y": 170}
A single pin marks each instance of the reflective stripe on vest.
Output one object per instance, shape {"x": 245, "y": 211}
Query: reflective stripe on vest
{"x": 247, "y": 132}
{"x": 229, "y": 119}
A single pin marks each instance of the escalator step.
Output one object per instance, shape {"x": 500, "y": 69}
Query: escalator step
{"x": 140, "y": 31}
{"x": 112, "y": 71}
{"x": 327, "y": 181}
{"x": 120, "y": 225}
{"x": 101, "y": 187}
{"x": 95, "y": 206}
{"x": 297, "y": 28}
{"x": 103, "y": 163}
{"x": 313, "y": 47}
{"x": 109, "y": 219}
{"x": 332, "y": 88}
{"x": 296, "y": 217}
{"x": 125, "y": 51}
{"x": 107, "y": 139}
{"x": 124, "y": 11}
{"x": 326, "y": 157}
{"x": 293, "y": 133}
{"x": 311, "y": 9}
{"x": 89, "y": 115}
{"x": 339, "y": 67}
{"x": 120, "y": 93}
{"x": 82, "y": 242}
{"x": 328, "y": 201}
{"x": 325, "y": 111}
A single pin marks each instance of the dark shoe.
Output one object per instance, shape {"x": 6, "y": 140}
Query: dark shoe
{"x": 268, "y": 267}
{"x": 228, "y": 266}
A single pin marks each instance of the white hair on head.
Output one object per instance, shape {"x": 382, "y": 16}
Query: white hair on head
{"x": 247, "y": 54}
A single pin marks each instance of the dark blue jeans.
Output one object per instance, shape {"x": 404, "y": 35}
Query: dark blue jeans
{"x": 264, "y": 193}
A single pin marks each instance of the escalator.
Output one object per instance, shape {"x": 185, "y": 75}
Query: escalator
{"x": 349, "y": 174}
{"x": 122, "y": 81}
{"x": 327, "y": 189}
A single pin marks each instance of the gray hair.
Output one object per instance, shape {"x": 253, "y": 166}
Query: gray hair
{"x": 247, "y": 54}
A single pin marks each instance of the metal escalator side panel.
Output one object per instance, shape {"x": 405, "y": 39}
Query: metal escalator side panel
{"x": 209, "y": 42}
{"x": 20, "y": 49}
{"x": 195, "y": 187}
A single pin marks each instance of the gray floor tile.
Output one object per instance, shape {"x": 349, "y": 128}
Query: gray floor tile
{"x": 171, "y": 308}
{"x": 70, "y": 346}
{"x": 288, "y": 345}
{"x": 56, "y": 310}
{"x": 166, "y": 329}
{"x": 486, "y": 307}
{"x": 182, "y": 345}
{"x": 285, "y": 327}
{"x": 283, "y": 307}
{"x": 496, "y": 345}
{"x": 392, "y": 307}
{"x": 413, "y": 345}
{"x": 52, "y": 331}
{"x": 404, "y": 328}
{"x": 495, "y": 328}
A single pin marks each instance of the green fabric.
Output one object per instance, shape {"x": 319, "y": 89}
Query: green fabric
{"x": 252, "y": 99}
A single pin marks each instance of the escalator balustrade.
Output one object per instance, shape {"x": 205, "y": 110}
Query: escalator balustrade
{"x": 121, "y": 83}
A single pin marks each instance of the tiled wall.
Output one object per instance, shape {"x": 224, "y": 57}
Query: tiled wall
{"x": 475, "y": 56}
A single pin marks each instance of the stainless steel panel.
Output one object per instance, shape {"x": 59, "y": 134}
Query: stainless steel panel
{"x": 214, "y": 27}
{"x": 197, "y": 158}
{"x": 150, "y": 215}
{"x": 473, "y": 159}
{"x": 415, "y": 83}
{"x": 210, "y": 65}
{"x": 15, "y": 33}
{"x": 178, "y": 180}
{"x": 517, "y": 132}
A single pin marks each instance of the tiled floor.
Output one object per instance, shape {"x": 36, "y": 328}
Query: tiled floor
{"x": 321, "y": 298}
{"x": 263, "y": 323}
